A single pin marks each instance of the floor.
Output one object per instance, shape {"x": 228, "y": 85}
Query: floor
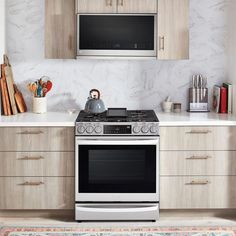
{"x": 175, "y": 220}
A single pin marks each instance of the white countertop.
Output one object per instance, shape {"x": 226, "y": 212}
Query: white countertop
{"x": 55, "y": 119}
{"x": 65, "y": 119}
{"x": 196, "y": 119}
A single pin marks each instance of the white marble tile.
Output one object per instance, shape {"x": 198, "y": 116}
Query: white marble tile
{"x": 132, "y": 84}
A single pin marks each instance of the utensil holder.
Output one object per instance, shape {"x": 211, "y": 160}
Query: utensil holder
{"x": 39, "y": 105}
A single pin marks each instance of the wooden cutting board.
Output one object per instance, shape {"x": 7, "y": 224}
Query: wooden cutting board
{"x": 20, "y": 102}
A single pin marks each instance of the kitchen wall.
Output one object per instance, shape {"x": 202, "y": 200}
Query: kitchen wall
{"x": 132, "y": 84}
{"x": 2, "y": 27}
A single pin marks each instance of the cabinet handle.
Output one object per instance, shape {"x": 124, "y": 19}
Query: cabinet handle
{"x": 30, "y": 132}
{"x": 28, "y": 183}
{"x": 109, "y": 3}
{"x": 70, "y": 42}
{"x": 198, "y": 158}
{"x": 161, "y": 43}
{"x": 198, "y": 182}
{"x": 26, "y": 158}
{"x": 199, "y": 132}
{"x": 121, "y": 3}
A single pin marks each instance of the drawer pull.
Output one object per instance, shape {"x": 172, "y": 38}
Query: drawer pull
{"x": 198, "y": 182}
{"x": 27, "y": 183}
{"x": 161, "y": 43}
{"x": 30, "y": 132}
{"x": 198, "y": 158}
{"x": 109, "y": 3}
{"x": 121, "y": 3}
{"x": 199, "y": 132}
{"x": 31, "y": 158}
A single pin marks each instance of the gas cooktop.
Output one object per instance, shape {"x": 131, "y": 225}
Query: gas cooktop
{"x": 115, "y": 115}
{"x": 118, "y": 121}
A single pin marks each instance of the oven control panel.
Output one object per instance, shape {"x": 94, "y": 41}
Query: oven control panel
{"x": 106, "y": 129}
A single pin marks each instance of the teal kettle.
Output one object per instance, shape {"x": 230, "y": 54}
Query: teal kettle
{"x": 94, "y": 104}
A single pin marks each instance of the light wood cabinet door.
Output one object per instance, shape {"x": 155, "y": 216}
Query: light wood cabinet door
{"x": 39, "y": 193}
{"x": 60, "y": 29}
{"x": 183, "y": 163}
{"x": 137, "y": 6}
{"x": 173, "y": 29}
{"x": 198, "y": 138}
{"x": 46, "y": 164}
{"x": 199, "y": 192}
{"x": 37, "y": 139}
{"x": 96, "y": 6}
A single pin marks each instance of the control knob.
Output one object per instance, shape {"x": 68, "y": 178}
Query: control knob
{"x": 136, "y": 129}
{"x": 98, "y": 130}
{"x": 145, "y": 129}
{"x": 153, "y": 129}
{"x": 81, "y": 129}
{"x": 89, "y": 129}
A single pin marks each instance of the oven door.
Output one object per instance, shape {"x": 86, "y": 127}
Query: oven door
{"x": 117, "y": 170}
{"x": 116, "y": 35}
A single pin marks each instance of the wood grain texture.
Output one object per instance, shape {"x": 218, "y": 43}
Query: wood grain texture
{"x": 51, "y": 193}
{"x": 173, "y": 29}
{"x": 60, "y": 29}
{"x": 177, "y": 193}
{"x": 182, "y": 163}
{"x": 37, "y": 139}
{"x": 96, "y": 6}
{"x": 48, "y": 164}
{"x": 198, "y": 138}
{"x": 137, "y": 6}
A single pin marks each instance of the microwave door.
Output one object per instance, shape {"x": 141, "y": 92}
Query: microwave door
{"x": 117, "y": 35}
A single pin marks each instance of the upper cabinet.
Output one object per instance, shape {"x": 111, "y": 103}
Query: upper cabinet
{"x": 60, "y": 29}
{"x": 116, "y": 6}
{"x": 96, "y": 6}
{"x": 137, "y": 6}
{"x": 171, "y": 34}
{"x": 173, "y": 29}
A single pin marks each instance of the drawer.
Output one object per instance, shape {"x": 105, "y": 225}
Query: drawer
{"x": 37, "y": 139}
{"x": 36, "y": 193}
{"x": 200, "y": 192}
{"x": 36, "y": 164}
{"x": 197, "y": 138}
{"x": 197, "y": 163}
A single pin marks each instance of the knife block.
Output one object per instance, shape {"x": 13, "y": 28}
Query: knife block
{"x": 198, "y": 100}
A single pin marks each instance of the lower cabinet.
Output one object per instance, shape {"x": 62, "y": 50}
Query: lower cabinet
{"x": 202, "y": 192}
{"x": 39, "y": 193}
{"x": 37, "y": 168}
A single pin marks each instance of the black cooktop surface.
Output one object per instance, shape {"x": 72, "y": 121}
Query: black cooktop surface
{"x": 119, "y": 115}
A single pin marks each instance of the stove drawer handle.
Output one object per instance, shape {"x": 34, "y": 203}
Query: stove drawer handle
{"x": 117, "y": 210}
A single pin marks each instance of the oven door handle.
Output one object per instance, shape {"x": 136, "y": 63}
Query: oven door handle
{"x": 118, "y": 142}
{"x": 117, "y": 210}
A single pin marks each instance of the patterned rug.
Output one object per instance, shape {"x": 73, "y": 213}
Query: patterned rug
{"x": 145, "y": 231}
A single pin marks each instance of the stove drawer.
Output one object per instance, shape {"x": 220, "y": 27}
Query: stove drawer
{"x": 36, "y": 164}
{"x": 197, "y": 138}
{"x": 36, "y": 193}
{"x": 197, "y": 163}
{"x": 198, "y": 192}
{"x": 37, "y": 139}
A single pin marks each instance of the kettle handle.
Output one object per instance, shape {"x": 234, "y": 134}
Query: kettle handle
{"x": 96, "y": 91}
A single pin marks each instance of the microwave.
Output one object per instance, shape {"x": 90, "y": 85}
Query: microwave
{"x": 116, "y": 35}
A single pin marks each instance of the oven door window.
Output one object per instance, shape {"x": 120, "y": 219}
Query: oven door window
{"x": 117, "y": 169}
{"x": 122, "y": 32}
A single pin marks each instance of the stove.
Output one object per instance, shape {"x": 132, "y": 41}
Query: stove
{"x": 118, "y": 122}
{"x": 117, "y": 166}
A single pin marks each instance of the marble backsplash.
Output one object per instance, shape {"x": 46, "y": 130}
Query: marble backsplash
{"x": 123, "y": 83}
